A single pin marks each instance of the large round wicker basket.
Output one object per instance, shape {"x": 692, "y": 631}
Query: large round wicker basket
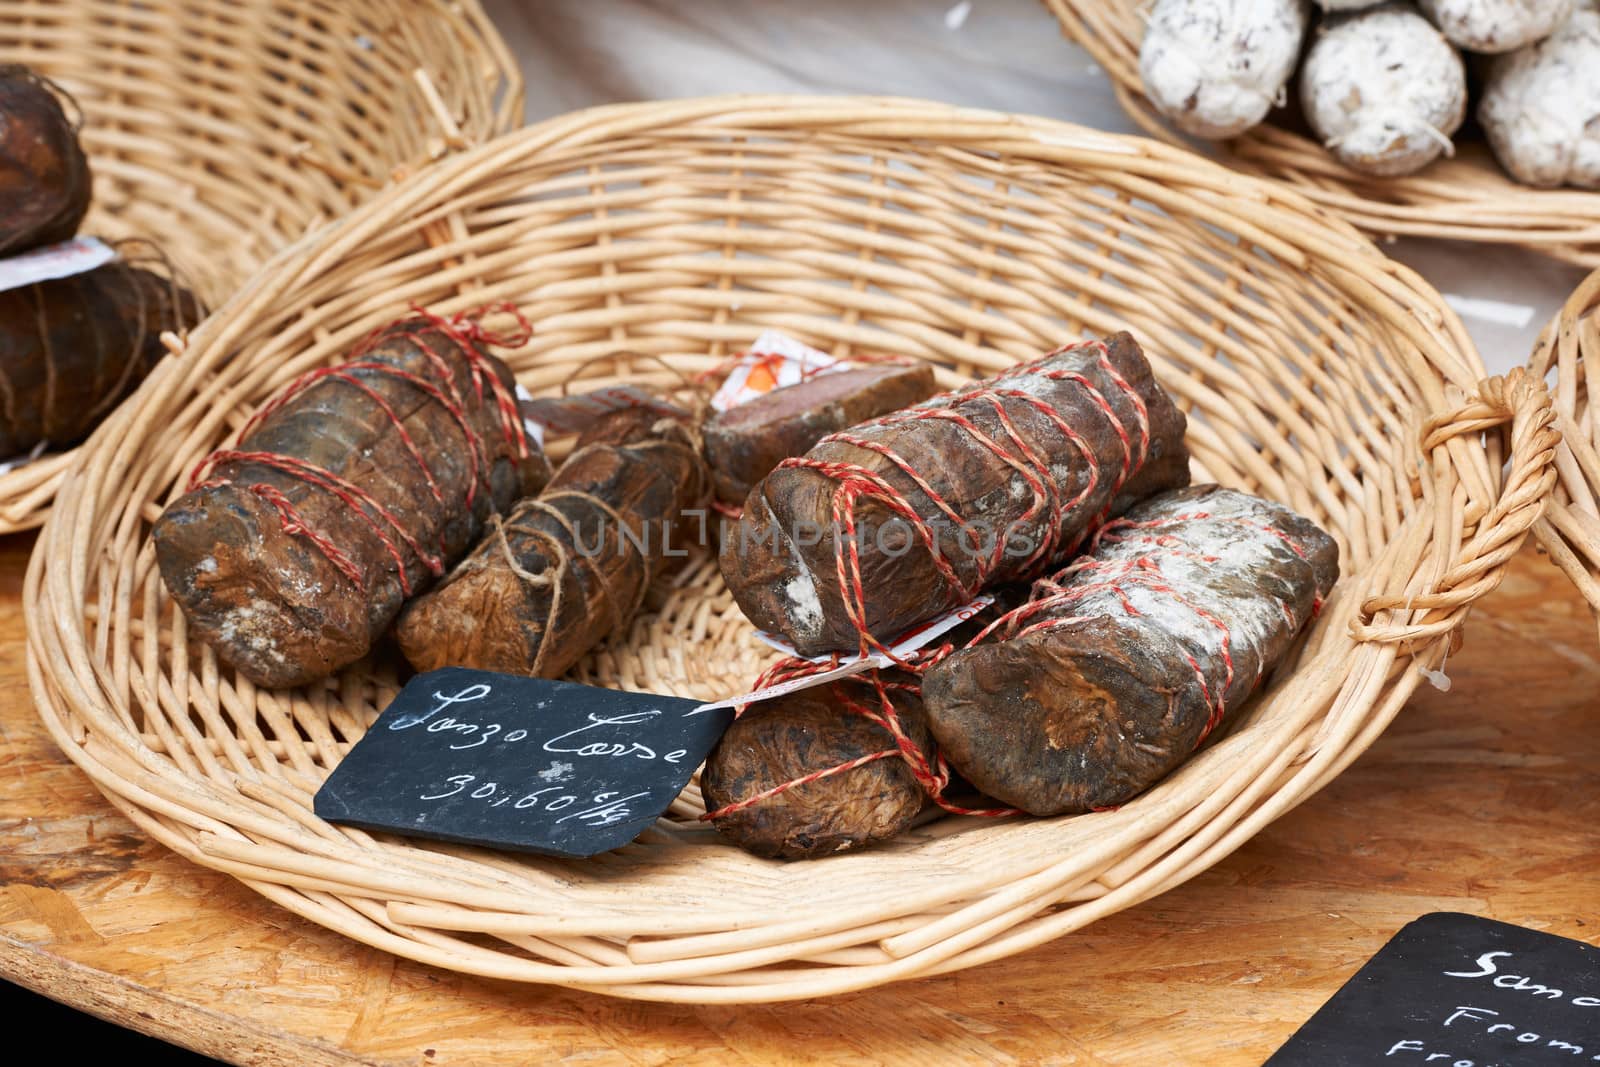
{"x": 1313, "y": 369}
{"x": 1570, "y": 527}
{"x": 224, "y": 131}
{"x": 1466, "y": 198}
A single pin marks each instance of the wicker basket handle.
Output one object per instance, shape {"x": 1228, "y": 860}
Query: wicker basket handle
{"x": 1520, "y": 403}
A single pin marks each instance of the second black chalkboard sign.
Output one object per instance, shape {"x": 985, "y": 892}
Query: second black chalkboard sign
{"x": 1453, "y": 990}
{"x": 520, "y": 763}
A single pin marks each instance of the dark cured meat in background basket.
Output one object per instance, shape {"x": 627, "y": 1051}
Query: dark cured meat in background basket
{"x": 1122, "y": 663}
{"x": 348, "y": 492}
{"x": 72, "y": 348}
{"x": 44, "y": 176}
{"x": 744, "y": 443}
{"x": 568, "y": 569}
{"x": 1022, "y": 465}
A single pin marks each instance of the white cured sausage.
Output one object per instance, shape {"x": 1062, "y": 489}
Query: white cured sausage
{"x": 1541, "y": 106}
{"x": 1384, "y": 91}
{"x": 1216, "y": 67}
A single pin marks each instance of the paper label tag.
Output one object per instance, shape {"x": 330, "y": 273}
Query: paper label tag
{"x": 774, "y": 361}
{"x": 77, "y": 256}
{"x": 532, "y": 427}
{"x": 922, "y": 634}
{"x": 26, "y": 458}
{"x": 574, "y": 414}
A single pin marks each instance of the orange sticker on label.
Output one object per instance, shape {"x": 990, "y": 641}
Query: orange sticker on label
{"x": 774, "y": 361}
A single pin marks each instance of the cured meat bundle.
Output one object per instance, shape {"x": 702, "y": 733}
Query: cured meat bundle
{"x": 71, "y": 348}
{"x": 44, "y": 175}
{"x": 569, "y": 568}
{"x": 350, "y": 490}
{"x": 895, "y": 520}
{"x": 1123, "y": 662}
{"x": 829, "y": 769}
{"x": 744, "y": 443}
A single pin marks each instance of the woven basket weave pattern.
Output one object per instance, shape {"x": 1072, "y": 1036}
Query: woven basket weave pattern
{"x": 1570, "y": 528}
{"x": 1314, "y": 371}
{"x": 1467, "y": 198}
{"x": 224, "y": 131}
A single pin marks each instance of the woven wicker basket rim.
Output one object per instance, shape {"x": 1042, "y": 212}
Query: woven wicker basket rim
{"x": 775, "y": 931}
{"x": 254, "y": 178}
{"x": 1568, "y": 350}
{"x": 1468, "y": 198}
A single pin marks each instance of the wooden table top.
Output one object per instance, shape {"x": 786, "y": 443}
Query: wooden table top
{"x": 1481, "y": 800}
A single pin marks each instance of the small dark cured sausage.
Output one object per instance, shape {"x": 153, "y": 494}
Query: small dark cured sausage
{"x": 793, "y": 737}
{"x": 744, "y": 443}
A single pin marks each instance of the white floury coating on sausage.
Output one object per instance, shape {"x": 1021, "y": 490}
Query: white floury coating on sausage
{"x": 1232, "y": 542}
{"x": 1347, "y": 5}
{"x": 1497, "y": 25}
{"x": 805, "y": 607}
{"x": 1384, "y": 91}
{"x": 1541, "y": 106}
{"x": 1216, "y": 67}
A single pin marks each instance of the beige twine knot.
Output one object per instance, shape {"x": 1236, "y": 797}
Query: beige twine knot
{"x": 1519, "y": 405}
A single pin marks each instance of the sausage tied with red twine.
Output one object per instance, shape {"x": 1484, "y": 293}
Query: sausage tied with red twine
{"x": 1173, "y": 618}
{"x": 1125, "y": 660}
{"x": 895, "y": 520}
{"x": 823, "y": 770}
{"x": 348, "y": 492}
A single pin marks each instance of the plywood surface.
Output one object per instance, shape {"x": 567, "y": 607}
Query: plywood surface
{"x": 1484, "y": 800}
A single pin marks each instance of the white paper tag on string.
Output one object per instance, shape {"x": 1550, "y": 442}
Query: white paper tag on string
{"x": 576, "y": 413}
{"x": 774, "y": 361}
{"x": 853, "y": 665}
{"x": 907, "y": 643}
{"x": 532, "y": 427}
{"x": 26, "y": 458}
{"x": 77, "y": 256}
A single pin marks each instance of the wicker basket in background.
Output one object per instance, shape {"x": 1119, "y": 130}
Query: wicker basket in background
{"x": 1467, "y": 198}
{"x": 224, "y": 131}
{"x": 1314, "y": 371}
{"x": 1570, "y": 528}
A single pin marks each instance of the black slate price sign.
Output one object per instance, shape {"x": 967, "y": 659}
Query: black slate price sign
{"x": 1453, "y": 990}
{"x": 520, "y": 763}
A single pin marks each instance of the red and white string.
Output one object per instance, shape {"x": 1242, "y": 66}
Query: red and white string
{"x": 1049, "y": 506}
{"x": 1047, "y": 608}
{"x": 441, "y": 384}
